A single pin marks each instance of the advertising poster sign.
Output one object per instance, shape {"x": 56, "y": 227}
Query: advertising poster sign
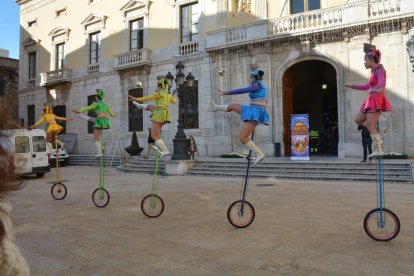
{"x": 299, "y": 129}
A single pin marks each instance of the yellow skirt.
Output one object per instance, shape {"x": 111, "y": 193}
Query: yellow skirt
{"x": 161, "y": 116}
{"x": 54, "y": 128}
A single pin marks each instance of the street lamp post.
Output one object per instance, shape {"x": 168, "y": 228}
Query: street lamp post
{"x": 410, "y": 50}
{"x": 180, "y": 141}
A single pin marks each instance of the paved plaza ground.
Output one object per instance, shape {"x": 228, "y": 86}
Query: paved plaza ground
{"x": 301, "y": 228}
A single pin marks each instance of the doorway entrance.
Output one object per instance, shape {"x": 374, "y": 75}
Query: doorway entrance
{"x": 310, "y": 87}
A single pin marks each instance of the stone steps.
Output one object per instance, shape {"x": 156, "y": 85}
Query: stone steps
{"x": 90, "y": 160}
{"x": 321, "y": 170}
{"x": 140, "y": 165}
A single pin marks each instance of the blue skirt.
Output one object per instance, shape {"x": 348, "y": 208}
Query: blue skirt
{"x": 256, "y": 115}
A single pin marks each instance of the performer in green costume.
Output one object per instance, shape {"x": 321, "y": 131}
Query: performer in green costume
{"x": 101, "y": 121}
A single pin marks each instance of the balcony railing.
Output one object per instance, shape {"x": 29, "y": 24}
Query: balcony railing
{"x": 352, "y": 14}
{"x": 55, "y": 77}
{"x": 93, "y": 69}
{"x": 133, "y": 59}
{"x": 188, "y": 48}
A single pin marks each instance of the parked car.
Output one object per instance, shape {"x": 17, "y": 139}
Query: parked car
{"x": 63, "y": 156}
{"x": 29, "y": 150}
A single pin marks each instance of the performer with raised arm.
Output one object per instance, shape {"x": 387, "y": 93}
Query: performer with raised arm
{"x": 376, "y": 103}
{"x": 253, "y": 114}
{"x": 101, "y": 121}
{"x": 54, "y": 128}
{"x": 160, "y": 111}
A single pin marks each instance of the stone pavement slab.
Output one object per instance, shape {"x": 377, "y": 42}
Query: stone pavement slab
{"x": 301, "y": 227}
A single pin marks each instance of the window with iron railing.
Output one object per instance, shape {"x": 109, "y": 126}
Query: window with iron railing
{"x": 32, "y": 65}
{"x": 91, "y": 113}
{"x": 135, "y": 115}
{"x": 94, "y": 47}
{"x": 60, "y": 56}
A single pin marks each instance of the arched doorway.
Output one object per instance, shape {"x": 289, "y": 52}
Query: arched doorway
{"x": 310, "y": 87}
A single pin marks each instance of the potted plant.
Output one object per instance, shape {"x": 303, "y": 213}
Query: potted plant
{"x": 134, "y": 148}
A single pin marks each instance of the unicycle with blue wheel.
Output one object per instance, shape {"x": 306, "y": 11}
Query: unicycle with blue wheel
{"x": 58, "y": 189}
{"x": 241, "y": 213}
{"x": 381, "y": 224}
{"x": 152, "y": 205}
{"x": 100, "y": 196}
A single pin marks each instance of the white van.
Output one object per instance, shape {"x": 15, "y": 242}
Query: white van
{"x": 29, "y": 149}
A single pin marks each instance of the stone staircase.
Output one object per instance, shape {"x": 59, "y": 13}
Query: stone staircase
{"x": 142, "y": 166}
{"x": 348, "y": 170}
{"x": 89, "y": 160}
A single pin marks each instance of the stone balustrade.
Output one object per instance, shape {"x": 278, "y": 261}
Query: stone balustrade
{"x": 348, "y": 15}
{"x": 188, "y": 48}
{"x": 133, "y": 59}
{"x": 55, "y": 76}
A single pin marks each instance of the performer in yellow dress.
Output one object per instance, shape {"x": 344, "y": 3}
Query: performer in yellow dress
{"x": 53, "y": 129}
{"x": 160, "y": 112}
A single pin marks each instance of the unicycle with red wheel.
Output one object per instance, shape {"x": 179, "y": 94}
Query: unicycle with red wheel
{"x": 58, "y": 189}
{"x": 241, "y": 213}
{"x": 152, "y": 205}
{"x": 100, "y": 196}
{"x": 381, "y": 224}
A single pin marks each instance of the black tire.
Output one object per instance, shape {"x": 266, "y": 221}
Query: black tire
{"x": 155, "y": 210}
{"x": 392, "y": 223}
{"x": 58, "y": 191}
{"x": 100, "y": 197}
{"x": 234, "y": 211}
{"x": 39, "y": 175}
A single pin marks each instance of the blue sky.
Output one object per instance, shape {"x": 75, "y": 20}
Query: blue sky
{"x": 9, "y": 27}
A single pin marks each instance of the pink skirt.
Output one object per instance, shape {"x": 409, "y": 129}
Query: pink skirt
{"x": 376, "y": 102}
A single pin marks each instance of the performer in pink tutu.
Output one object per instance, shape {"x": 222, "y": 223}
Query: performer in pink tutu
{"x": 377, "y": 102}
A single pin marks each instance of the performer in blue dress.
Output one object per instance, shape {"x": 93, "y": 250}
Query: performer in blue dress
{"x": 252, "y": 114}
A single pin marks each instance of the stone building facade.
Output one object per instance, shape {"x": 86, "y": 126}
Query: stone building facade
{"x": 308, "y": 50}
{"x": 9, "y": 78}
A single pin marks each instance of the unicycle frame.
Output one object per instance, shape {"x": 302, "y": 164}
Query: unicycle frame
{"x": 155, "y": 177}
{"x": 246, "y": 179}
{"x": 101, "y": 177}
{"x": 380, "y": 192}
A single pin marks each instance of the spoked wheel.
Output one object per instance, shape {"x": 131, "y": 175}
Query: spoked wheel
{"x": 152, "y": 206}
{"x": 241, "y": 214}
{"x": 58, "y": 191}
{"x": 382, "y": 226}
{"x": 100, "y": 197}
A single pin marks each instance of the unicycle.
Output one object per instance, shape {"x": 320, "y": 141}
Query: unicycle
{"x": 152, "y": 205}
{"x": 58, "y": 189}
{"x": 241, "y": 213}
{"x": 100, "y": 196}
{"x": 381, "y": 224}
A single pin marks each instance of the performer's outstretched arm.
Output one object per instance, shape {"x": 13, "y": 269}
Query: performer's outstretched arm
{"x": 88, "y": 108}
{"x": 248, "y": 89}
{"x": 156, "y": 96}
{"x": 41, "y": 120}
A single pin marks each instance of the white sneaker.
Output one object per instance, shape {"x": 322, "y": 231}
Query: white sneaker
{"x": 164, "y": 154}
{"x": 259, "y": 158}
{"x": 99, "y": 155}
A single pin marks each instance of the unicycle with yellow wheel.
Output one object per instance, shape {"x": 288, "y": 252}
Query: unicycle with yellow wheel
{"x": 58, "y": 189}
{"x": 152, "y": 205}
{"x": 100, "y": 196}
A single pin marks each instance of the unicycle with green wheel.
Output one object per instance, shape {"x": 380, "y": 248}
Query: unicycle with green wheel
{"x": 381, "y": 224}
{"x": 152, "y": 205}
{"x": 100, "y": 196}
{"x": 241, "y": 213}
{"x": 58, "y": 189}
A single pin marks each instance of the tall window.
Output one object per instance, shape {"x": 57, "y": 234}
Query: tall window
{"x": 190, "y": 106}
{"x": 94, "y": 47}
{"x": 135, "y": 115}
{"x": 136, "y": 34}
{"x": 32, "y": 65}
{"x": 298, "y": 6}
{"x": 189, "y": 22}
{"x": 60, "y": 55}
{"x": 30, "y": 115}
{"x": 91, "y": 113}
{"x": 60, "y": 111}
